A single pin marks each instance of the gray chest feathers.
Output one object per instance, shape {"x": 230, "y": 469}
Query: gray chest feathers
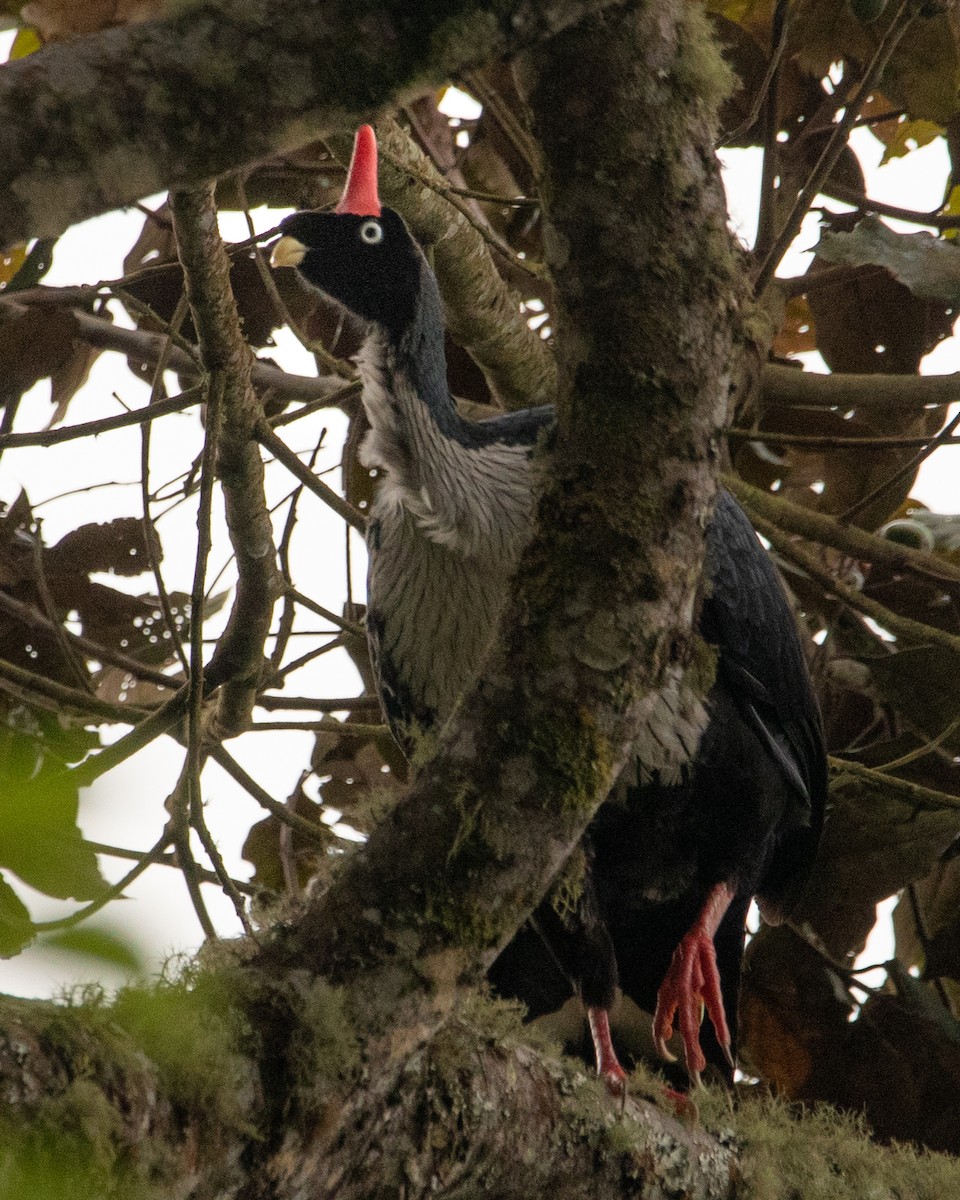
{"x": 446, "y": 531}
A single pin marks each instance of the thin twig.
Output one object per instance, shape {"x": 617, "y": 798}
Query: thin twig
{"x": 11, "y": 405}
{"x": 928, "y": 747}
{"x": 914, "y": 632}
{"x": 288, "y": 612}
{"x": 923, "y": 937}
{"x": 923, "y": 797}
{"x": 264, "y": 799}
{"x": 838, "y": 442}
{"x": 818, "y": 527}
{"x": 319, "y": 704}
{"x": 847, "y": 195}
{"x": 909, "y": 468}
{"x": 161, "y": 721}
{"x": 71, "y": 658}
{"x": 54, "y": 696}
{"x": 71, "y": 433}
{"x": 838, "y": 139}
{"x": 284, "y": 455}
{"x": 767, "y": 88}
{"x": 179, "y": 806}
{"x": 111, "y": 893}
{"x": 335, "y": 400}
{"x": 336, "y": 643}
{"x": 535, "y": 270}
{"x": 341, "y": 622}
{"x": 220, "y": 873}
{"x": 164, "y": 859}
{"x": 32, "y": 618}
{"x": 345, "y": 727}
{"x": 148, "y": 528}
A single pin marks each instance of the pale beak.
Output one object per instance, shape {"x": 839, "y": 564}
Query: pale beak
{"x": 288, "y": 252}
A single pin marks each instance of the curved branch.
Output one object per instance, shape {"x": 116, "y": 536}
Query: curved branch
{"x": 238, "y": 659}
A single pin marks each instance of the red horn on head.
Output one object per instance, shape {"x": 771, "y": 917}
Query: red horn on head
{"x": 360, "y": 193}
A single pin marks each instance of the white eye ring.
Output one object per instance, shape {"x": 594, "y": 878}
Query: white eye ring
{"x": 371, "y": 232}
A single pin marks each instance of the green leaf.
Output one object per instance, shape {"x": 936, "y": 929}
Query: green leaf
{"x": 16, "y": 928}
{"x": 26, "y": 42}
{"x": 98, "y": 944}
{"x": 39, "y": 837}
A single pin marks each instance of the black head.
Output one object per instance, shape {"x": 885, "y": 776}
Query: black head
{"x": 370, "y": 264}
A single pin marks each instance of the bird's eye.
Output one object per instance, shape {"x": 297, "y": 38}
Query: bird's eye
{"x": 371, "y": 232}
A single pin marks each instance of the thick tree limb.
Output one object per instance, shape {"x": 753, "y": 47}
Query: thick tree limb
{"x": 201, "y": 1128}
{"x": 213, "y": 86}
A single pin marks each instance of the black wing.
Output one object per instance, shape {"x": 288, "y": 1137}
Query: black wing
{"x": 746, "y": 614}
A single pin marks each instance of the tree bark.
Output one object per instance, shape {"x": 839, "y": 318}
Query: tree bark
{"x": 219, "y": 84}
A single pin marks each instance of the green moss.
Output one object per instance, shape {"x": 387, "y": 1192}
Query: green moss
{"x": 49, "y": 1163}
{"x": 820, "y": 1154}
{"x": 471, "y": 926}
{"x": 324, "y": 1050}
{"x": 571, "y": 746}
{"x": 191, "y": 1036}
{"x": 567, "y": 888}
{"x": 701, "y": 73}
{"x": 110, "y": 1072}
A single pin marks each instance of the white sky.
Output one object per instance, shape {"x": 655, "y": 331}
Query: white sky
{"x": 126, "y": 807}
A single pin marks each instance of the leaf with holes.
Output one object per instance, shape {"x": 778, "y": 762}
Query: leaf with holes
{"x": 117, "y": 546}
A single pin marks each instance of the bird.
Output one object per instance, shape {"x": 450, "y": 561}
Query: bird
{"x": 723, "y": 797}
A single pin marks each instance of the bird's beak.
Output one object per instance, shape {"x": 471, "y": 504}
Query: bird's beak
{"x": 288, "y": 252}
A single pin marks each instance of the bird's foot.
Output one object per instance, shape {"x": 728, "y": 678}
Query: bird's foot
{"x": 608, "y": 1065}
{"x": 692, "y": 984}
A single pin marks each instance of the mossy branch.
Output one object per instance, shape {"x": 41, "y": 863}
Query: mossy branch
{"x": 849, "y": 539}
{"x": 213, "y": 85}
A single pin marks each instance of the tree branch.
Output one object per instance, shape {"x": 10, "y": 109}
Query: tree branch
{"x": 849, "y": 539}
{"x": 211, "y": 86}
{"x": 237, "y": 661}
{"x": 780, "y": 385}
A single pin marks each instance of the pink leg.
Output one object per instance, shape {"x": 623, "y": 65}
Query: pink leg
{"x": 692, "y": 983}
{"x": 608, "y": 1067}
